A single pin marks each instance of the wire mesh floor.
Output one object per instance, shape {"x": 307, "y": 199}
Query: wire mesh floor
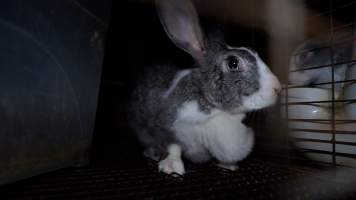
{"x": 255, "y": 179}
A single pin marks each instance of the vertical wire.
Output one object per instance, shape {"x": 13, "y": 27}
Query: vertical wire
{"x": 287, "y": 117}
{"x": 332, "y": 83}
{"x": 286, "y": 106}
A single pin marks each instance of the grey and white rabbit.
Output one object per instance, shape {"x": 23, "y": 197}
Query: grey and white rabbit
{"x": 198, "y": 112}
{"x": 317, "y": 52}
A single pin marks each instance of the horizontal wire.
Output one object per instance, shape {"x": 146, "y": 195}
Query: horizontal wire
{"x": 323, "y": 131}
{"x": 326, "y": 65}
{"x": 325, "y": 141}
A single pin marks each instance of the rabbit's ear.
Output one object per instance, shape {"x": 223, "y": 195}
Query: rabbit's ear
{"x": 180, "y": 21}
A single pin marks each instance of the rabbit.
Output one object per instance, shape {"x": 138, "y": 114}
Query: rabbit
{"x": 316, "y": 52}
{"x": 197, "y": 112}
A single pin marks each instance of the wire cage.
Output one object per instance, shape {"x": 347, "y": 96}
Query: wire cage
{"x": 331, "y": 137}
{"x": 305, "y": 145}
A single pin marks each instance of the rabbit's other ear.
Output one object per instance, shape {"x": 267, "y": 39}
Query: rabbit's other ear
{"x": 180, "y": 21}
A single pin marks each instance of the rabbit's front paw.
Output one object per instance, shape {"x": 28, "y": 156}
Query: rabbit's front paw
{"x": 170, "y": 166}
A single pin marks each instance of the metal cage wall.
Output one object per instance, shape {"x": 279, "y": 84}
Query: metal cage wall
{"x": 328, "y": 137}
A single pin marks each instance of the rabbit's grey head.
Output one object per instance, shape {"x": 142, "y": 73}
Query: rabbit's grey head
{"x": 312, "y": 63}
{"x": 309, "y": 54}
{"x": 232, "y": 79}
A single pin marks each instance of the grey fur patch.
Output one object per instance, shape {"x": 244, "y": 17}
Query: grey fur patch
{"x": 225, "y": 90}
{"x": 314, "y": 53}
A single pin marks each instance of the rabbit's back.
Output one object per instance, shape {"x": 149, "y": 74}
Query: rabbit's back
{"x": 146, "y": 98}
{"x": 155, "y": 101}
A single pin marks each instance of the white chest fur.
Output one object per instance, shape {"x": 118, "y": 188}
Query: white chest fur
{"x": 222, "y": 135}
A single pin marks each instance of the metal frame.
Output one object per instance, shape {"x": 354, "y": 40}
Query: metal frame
{"x": 331, "y": 46}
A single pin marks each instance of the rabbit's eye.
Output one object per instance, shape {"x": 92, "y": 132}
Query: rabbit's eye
{"x": 233, "y": 62}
